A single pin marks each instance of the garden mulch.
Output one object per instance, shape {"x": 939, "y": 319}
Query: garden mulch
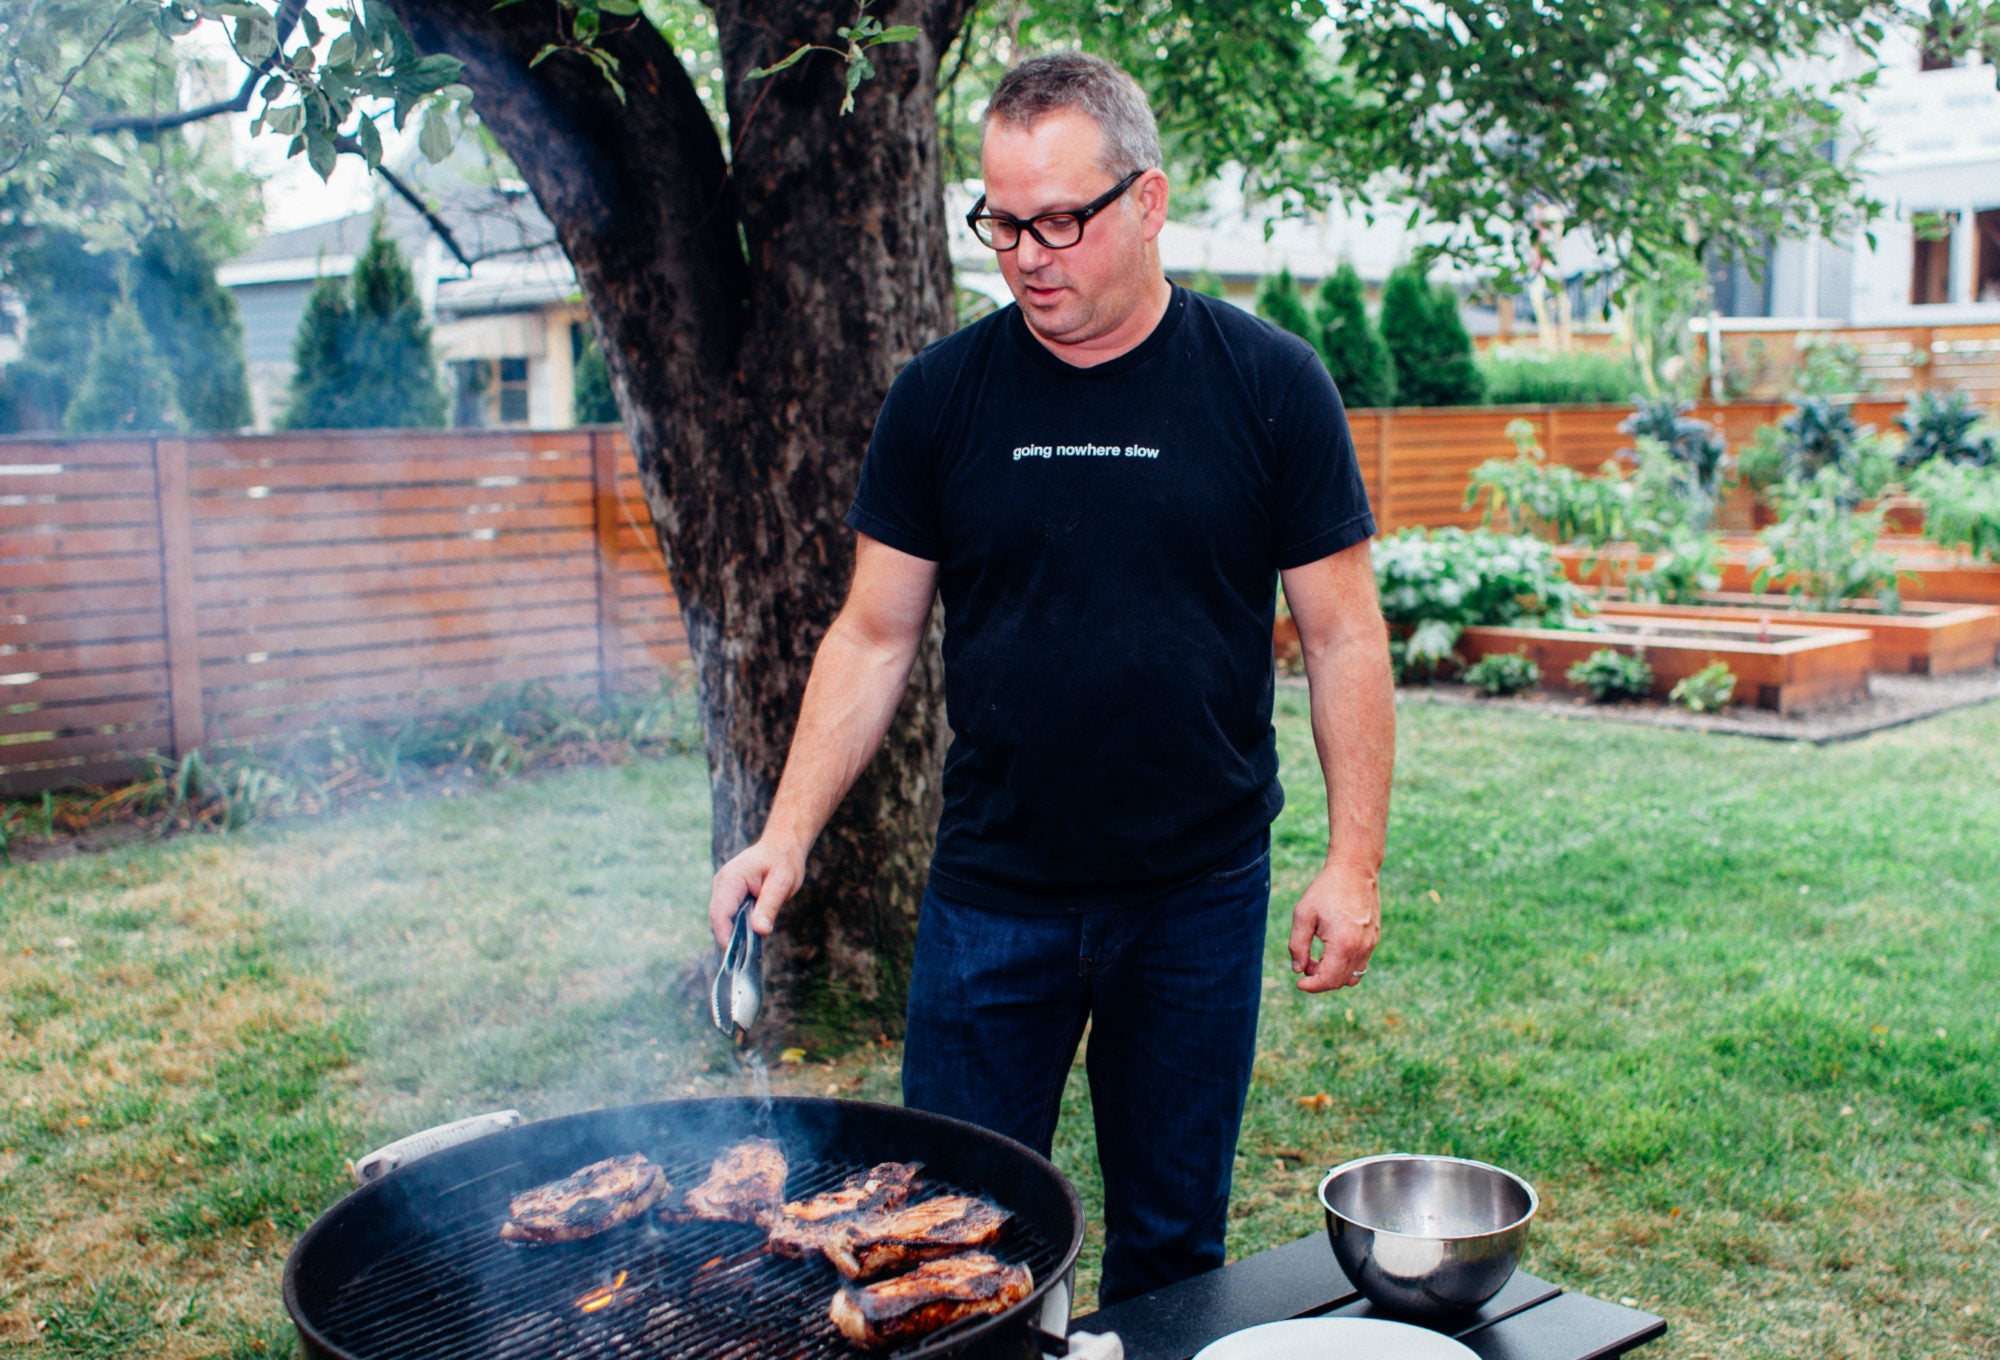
{"x": 1893, "y": 701}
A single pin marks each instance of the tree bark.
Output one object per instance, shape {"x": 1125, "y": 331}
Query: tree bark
{"x": 753, "y": 310}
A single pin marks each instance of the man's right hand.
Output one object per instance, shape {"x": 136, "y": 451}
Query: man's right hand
{"x": 769, "y": 872}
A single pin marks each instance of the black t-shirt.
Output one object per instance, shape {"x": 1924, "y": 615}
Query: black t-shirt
{"x": 1108, "y": 541}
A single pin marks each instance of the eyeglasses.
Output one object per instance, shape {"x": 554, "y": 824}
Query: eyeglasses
{"x": 1055, "y": 230}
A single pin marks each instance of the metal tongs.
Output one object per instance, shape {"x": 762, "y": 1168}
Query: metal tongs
{"x": 738, "y": 992}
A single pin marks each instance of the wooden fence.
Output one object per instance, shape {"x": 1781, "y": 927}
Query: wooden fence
{"x": 158, "y": 595}
{"x": 1889, "y": 358}
{"x": 161, "y": 595}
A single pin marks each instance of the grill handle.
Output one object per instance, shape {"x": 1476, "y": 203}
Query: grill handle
{"x": 403, "y": 1151}
{"x": 1082, "y": 1345}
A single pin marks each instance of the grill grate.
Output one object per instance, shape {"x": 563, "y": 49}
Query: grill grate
{"x": 458, "y": 1292}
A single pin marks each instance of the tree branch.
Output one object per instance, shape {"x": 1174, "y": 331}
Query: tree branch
{"x": 438, "y": 226}
{"x": 288, "y": 18}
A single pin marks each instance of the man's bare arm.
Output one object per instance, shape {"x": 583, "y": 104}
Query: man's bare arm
{"x": 1346, "y": 649}
{"x": 857, "y": 680}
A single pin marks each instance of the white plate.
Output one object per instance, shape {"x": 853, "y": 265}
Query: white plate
{"x": 1336, "y": 1339}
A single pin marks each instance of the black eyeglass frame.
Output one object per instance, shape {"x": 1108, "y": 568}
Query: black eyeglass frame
{"x": 1082, "y": 216}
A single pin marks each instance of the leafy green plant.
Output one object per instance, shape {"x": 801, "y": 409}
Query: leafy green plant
{"x": 1503, "y": 673}
{"x": 1709, "y": 690}
{"x": 1427, "y": 342}
{"x": 1825, "y": 549}
{"x": 1685, "y": 567}
{"x": 1550, "y": 500}
{"x": 1828, "y": 368}
{"x": 1351, "y": 345}
{"x": 1961, "y": 506}
{"x": 1696, "y": 445}
{"x": 1523, "y": 377}
{"x": 1610, "y": 675}
{"x": 1280, "y": 303}
{"x": 1468, "y": 578}
{"x": 1425, "y": 650}
{"x": 1944, "y": 426}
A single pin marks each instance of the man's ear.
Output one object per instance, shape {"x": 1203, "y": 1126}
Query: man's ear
{"x": 1152, "y": 191}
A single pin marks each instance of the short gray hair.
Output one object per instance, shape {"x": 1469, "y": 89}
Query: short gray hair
{"x": 1092, "y": 86}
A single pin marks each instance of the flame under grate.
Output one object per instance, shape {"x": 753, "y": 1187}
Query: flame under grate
{"x": 647, "y": 1289}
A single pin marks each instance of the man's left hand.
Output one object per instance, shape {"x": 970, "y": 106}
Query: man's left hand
{"x": 1342, "y": 909}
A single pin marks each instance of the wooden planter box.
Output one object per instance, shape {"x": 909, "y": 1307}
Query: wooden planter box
{"x": 1933, "y": 574}
{"x": 1794, "y": 670}
{"x": 1927, "y": 638}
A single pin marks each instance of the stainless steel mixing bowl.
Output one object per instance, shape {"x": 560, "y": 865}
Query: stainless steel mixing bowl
{"x": 1429, "y": 1237}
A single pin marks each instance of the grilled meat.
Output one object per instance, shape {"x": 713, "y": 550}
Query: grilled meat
{"x": 746, "y": 1185}
{"x": 602, "y": 1195}
{"x": 803, "y": 1227}
{"x": 881, "y": 1244}
{"x": 892, "y": 1313}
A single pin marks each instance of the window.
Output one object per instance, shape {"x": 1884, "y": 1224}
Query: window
{"x": 489, "y": 392}
{"x": 1986, "y": 279}
{"x": 513, "y": 391}
{"x": 1930, "y": 272}
{"x": 1934, "y": 50}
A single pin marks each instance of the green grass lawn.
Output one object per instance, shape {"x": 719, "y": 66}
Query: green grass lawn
{"x": 1733, "y": 1007}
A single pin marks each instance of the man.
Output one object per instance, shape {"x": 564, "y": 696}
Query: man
{"x": 1105, "y": 483}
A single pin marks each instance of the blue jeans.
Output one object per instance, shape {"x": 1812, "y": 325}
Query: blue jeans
{"x": 998, "y": 1003}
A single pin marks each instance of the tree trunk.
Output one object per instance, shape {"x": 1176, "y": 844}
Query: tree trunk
{"x": 752, "y": 316}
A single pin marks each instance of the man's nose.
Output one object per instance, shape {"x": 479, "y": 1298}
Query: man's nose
{"x": 1031, "y": 254}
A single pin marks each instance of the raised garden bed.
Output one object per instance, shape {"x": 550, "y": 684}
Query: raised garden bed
{"x": 1926, "y": 638}
{"x": 1784, "y": 667}
{"x": 1933, "y": 574}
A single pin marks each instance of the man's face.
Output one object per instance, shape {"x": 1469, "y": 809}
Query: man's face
{"x": 1080, "y": 293}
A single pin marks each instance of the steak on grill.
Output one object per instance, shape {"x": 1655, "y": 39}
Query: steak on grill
{"x": 585, "y": 1203}
{"x": 803, "y": 1226}
{"x": 891, "y": 1313}
{"x": 746, "y": 1185}
{"x": 882, "y": 1244}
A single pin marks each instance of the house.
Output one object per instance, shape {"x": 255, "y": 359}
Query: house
{"x": 1929, "y": 135}
{"x": 508, "y": 327}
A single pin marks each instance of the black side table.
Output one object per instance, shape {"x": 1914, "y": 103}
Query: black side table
{"x": 1530, "y": 1319}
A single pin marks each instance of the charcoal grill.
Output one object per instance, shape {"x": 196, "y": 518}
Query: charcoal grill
{"x": 412, "y": 1267}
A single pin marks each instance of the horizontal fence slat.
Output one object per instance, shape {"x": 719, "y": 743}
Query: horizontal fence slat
{"x": 222, "y": 505}
{"x": 137, "y": 742}
{"x": 286, "y": 616}
{"x": 438, "y": 446}
{"x": 420, "y": 630}
{"x": 64, "y": 658}
{"x": 34, "y": 607}
{"x": 296, "y": 476}
{"x": 140, "y": 683}
{"x": 85, "y": 717}
{"x": 370, "y": 581}
{"x": 133, "y": 626}
{"x": 384, "y": 528}
{"x": 414, "y": 552}
{"x": 33, "y": 452}
{"x": 367, "y": 663}
{"x": 36, "y": 515}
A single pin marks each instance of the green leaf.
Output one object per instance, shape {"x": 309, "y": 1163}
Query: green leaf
{"x": 287, "y": 118}
{"x": 586, "y": 25}
{"x": 371, "y": 143}
{"x": 897, "y": 33}
{"x": 298, "y": 144}
{"x": 320, "y": 154}
{"x": 548, "y": 50}
{"x": 620, "y": 7}
{"x": 310, "y": 25}
{"x": 436, "y": 137}
{"x": 273, "y": 87}
{"x": 304, "y": 60}
{"x": 341, "y": 51}
{"x": 759, "y": 72}
{"x": 232, "y": 10}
